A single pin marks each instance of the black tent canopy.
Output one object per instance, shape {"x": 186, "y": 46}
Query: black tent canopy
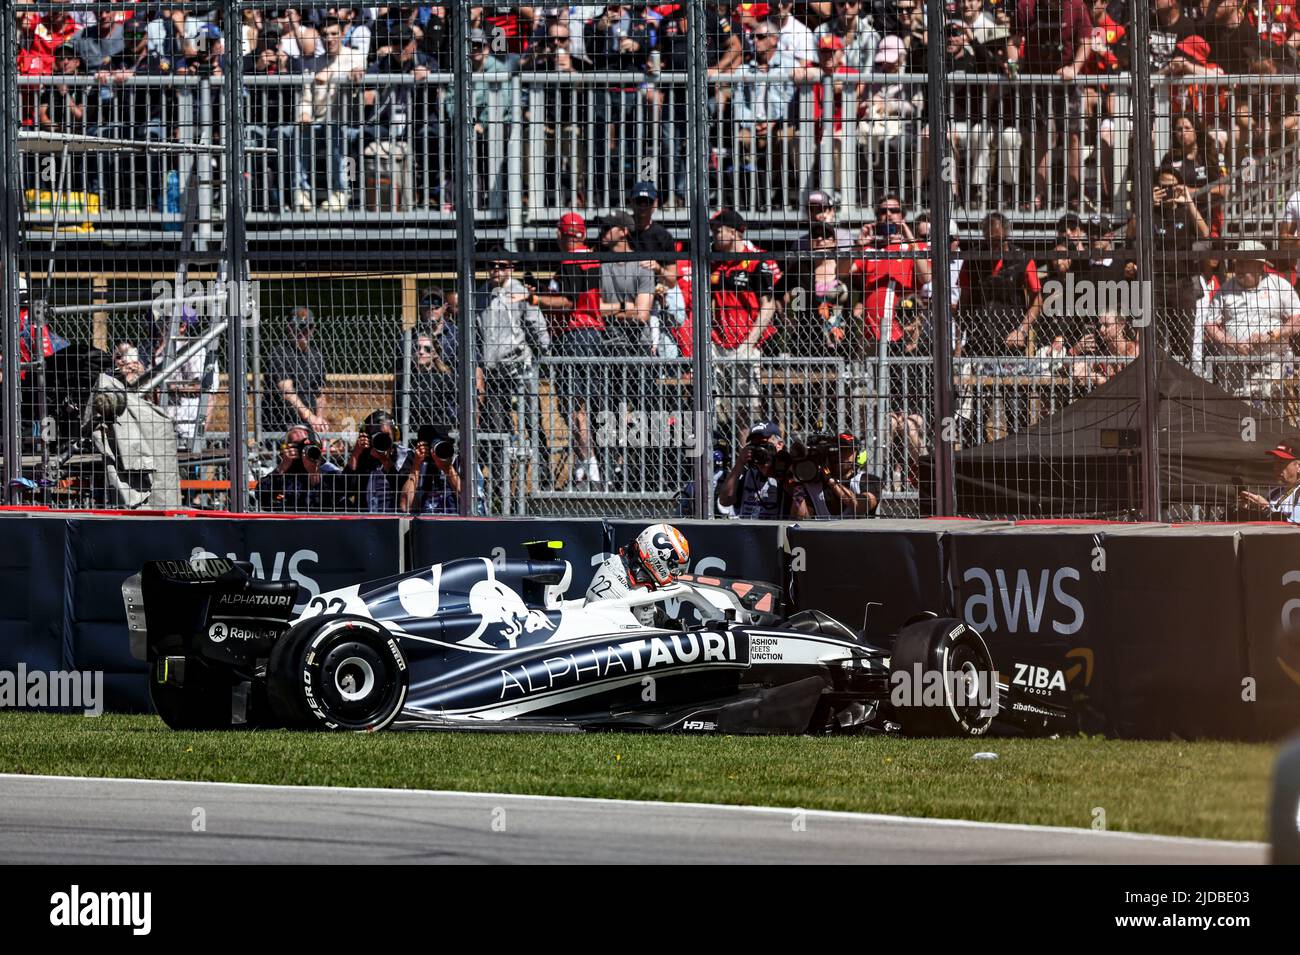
{"x": 1209, "y": 442}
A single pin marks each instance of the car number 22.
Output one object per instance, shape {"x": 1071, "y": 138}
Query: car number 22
{"x": 323, "y": 607}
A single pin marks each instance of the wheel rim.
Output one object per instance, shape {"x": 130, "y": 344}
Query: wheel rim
{"x": 968, "y": 677}
{"x": 357, "y": 684}
{"x": 354, "y": 679}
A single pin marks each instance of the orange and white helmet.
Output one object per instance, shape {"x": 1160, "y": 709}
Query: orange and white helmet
{"x": 658, "y": 555}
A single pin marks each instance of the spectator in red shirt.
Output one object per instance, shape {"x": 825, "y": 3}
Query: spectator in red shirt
{"x": 572, "y": 303}
{"x": 887, "y": 282}
{"x": 744, "y": 306}
{"x": 830, "y": 62}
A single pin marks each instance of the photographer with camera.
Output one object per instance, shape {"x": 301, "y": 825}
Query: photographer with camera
{"x": 303, "y": 479}
{"x": 370, "y": 477}
{"x": 826, "y": 481}
{"x": 756, "y": 485}
{"x": 428, "y": 478}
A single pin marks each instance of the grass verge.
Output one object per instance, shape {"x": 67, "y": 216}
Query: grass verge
{"x": 1209, "y": 789}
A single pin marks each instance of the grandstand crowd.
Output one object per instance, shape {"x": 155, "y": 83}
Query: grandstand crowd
{"x": 844, "y": 288}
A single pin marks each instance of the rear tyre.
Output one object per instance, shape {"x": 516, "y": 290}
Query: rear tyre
{"x": 947, "y": 652}
{"x": 337, "y": 673}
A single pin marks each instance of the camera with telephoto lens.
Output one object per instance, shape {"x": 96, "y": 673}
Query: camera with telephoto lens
{"x": 310, "y": 451}
{"x": 810, "y": 460}
{"x": 381, "y": 442}
{"x": 444, "y": 449}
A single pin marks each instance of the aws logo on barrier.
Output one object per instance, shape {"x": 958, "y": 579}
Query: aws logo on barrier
{"x": 1018, "y": 601}
{"x": 1287, "y": 645}
{"x": 282, "y": 564}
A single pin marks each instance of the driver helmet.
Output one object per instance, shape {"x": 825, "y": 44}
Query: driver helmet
{"x": 658, "y": 555}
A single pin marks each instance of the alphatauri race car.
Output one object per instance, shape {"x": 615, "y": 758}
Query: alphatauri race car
{"x": 479, "y": 644}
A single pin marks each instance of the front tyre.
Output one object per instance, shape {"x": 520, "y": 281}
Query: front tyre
{"x": 942, "y": 680}
{"x": 337, "y": 673}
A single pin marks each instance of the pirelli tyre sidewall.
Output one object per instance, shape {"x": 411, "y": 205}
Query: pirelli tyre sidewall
{"x": 948, "y": 648}
{"x": 338, "y": 673}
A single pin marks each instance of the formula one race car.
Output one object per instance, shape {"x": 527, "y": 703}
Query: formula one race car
{"x": 478, "y": 644}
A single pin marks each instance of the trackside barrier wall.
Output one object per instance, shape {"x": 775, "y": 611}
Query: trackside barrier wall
{"x": 72, "y": 587}
{"x": 1158, "y": 630}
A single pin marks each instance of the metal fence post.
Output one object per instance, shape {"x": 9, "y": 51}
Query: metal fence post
{"x": 1143, "y": 176}
{"x": 236, "y": 262}
{"x": 463, "y": 159}
{"x": 697, "y": 164}
{"x": 9, "y": 247}
{"x": 945, "y": 497}
{"x": 514, "y": 184}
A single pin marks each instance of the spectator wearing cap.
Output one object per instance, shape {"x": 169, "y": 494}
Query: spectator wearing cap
{"x": 831, "y": 65}
{"x": 744, "y": 310}
{"x": 390, "y": 111}
{"x": 485, "y": 65}
{"x": 572, "y": 304}
{"x": 626, "y": 292}
{"x": 834, "y": 491}
{"x": 647, "y": 235}
{"x": 1103, "y": 264}
{"x": 1255, "y": 314}
{"x": 1283, "y": 501}
{"x": 303, "y": 481}
{"x": 144, "y": 108}
{"x": 430, "y": 392}
{"x": 322, "y": 112}
{"x": 753, "y": 486}
{"x": 62, "y": 108}
{"x": 295, "y": 379}
{"x": 823, "y": 207}
{"x": 891, "y": 131}
{"x": 509, "y": 326}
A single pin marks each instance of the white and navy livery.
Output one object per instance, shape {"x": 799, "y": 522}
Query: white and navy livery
{"x": 495, "y": 645}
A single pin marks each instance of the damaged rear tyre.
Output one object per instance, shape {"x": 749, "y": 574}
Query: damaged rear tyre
{"x": 941, "y": 672}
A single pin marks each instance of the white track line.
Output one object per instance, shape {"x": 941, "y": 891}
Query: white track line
{"x": 601, "y": 800}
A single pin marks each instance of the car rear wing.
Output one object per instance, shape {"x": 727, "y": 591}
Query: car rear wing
{"x": 211, "y": 607}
